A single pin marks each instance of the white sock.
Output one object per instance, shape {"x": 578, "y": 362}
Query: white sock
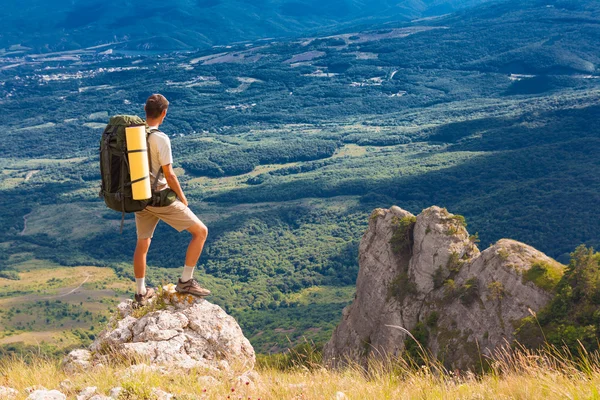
{"x": 187, "y": 273}
{"x": 140, "y": 286}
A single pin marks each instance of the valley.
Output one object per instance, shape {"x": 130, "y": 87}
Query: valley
{"x": 285, "y": 146}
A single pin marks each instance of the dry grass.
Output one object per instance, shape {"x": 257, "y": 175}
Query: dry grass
{"x": 521, "y": 374}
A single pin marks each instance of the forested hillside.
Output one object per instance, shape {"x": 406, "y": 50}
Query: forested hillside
{"x": 285, "y": 147}
{"x": 42, "y": 26}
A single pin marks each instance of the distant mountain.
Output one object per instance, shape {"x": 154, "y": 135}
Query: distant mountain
{"x": 188, "y": 24}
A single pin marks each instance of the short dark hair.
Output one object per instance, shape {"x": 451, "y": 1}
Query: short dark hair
{"x": 155, "y": 105}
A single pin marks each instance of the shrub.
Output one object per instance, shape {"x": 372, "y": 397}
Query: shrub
{"x": 432, "y": 319}
{"x": 306, "y": 355}
{"x": 412, "y": 351}
{"x": 12, "y": 275}
{"x": 438, "y": 278}
{"x": 460, "y": 220}
{"x": 572, "y": 318}
{"x": 544, "y": 275}
{"x": 450, "y": 286}
{"x": 496, "y": 290}
{"x": 159, "y": 303}
{"x": 469, "y": 292}
{"x": 402, "y": 237}
{"x": 136, "y": 390}
{"x": 401, "y": 286}
{"x": 456, "y": 222}
{"x": 503, "y": 253}
{"x": 454, "y": 263}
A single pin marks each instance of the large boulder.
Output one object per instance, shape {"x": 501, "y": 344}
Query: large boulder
{"x": 426, "y": 274}
{"x": 174, "y": 330}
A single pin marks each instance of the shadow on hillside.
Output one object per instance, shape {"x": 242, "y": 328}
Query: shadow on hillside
{"x": 544, "y": 191}
{"x": 493, "y": 134}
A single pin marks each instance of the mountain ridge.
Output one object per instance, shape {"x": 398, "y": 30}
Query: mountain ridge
{"x": 182, "y": 25}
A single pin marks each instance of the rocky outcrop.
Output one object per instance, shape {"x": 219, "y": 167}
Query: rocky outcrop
{"x": 425, "y": 274}
{"x": 46, "y": 395}
{"x": 176, "y": 330}
{"x": 7, "y": 393}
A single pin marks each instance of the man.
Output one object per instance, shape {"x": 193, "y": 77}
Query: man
{"x": 177, "y": 214}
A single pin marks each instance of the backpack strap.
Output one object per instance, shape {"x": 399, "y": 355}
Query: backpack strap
{"x": 160, "y": 170}
{"x": 150, "y": 132}
{"x": 158, "y": 174}
{"x": 123, "y": 161}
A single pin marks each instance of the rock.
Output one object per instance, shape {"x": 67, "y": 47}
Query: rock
{"x": 115, "y": 392}
{"x": 161, "y": 394}
{"x": 178, "y": 331}
{"x": 7, "y": 393}
{"x": 124, "y": 308}
{"x": 101, "y": 397}
{"x": 113, "y": 338}
{"x": 427, "y": 270}
{"x": 87, "y": 393}
{"x": 341, "y": 396}
{"x": 77, "y": 360}
{"x": 46, "y": 395}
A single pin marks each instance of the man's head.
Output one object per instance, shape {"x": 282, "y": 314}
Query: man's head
{"x": 156, "y": 108}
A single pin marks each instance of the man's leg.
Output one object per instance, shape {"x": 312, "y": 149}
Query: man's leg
{"x": 145, "y": 223}
{"x": 199, "y": 233}
{"x": 186, "y": 284}
{"x": 139, "y": 264}
{"x": 180, "y": 217}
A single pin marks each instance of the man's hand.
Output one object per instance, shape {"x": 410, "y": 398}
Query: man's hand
{"x": 174, "y": 183}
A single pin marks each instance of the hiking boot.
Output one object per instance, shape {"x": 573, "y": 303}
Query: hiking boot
{"x": 142, "y": 299}
{"x": 192, "y": 287}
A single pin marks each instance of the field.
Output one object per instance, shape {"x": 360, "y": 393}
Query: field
{"x": 57, "y": 307}
{"x": 284, "y": 147}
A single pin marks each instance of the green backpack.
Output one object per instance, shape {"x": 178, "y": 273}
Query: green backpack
{"x": 114, "y": 166}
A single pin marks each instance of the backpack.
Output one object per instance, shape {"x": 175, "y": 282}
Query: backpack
{"x": 114, "y": 166}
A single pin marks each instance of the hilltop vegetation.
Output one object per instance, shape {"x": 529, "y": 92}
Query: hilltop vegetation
{"x": 285, "y": 147}
{"x": 572, "y": 318}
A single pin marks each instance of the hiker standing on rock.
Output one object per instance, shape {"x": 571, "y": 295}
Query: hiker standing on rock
{"x": 177, "y": 214}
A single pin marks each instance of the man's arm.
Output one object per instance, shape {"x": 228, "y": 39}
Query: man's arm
{"x": 174, "y": 182}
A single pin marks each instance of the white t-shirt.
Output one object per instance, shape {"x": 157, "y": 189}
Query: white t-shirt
{"x": 160, "y": 154}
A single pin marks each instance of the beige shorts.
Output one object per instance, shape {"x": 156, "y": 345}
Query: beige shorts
{"x": 177, "y": 215}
